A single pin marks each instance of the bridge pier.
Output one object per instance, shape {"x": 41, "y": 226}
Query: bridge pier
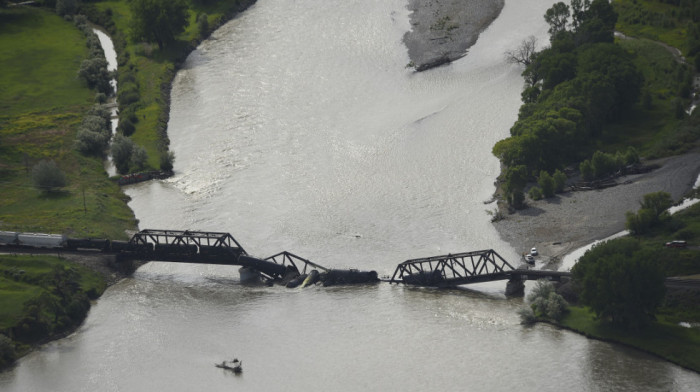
{"x": 515, "y": 288}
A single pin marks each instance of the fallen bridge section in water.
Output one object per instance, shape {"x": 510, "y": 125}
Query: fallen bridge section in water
{"x": 198, "y": 247}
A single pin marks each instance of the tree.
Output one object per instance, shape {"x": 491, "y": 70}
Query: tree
{"x": 203, "y": 25}
{"x": 7, "y": 348}
{"x": 166, "y": 161}
{"x": 546, "y": 183}
{"x": 621, "y": 282}
{"x": 545, "y": 302}
{"x": 66, "y": 7}
{"x": 47, "y": 176}
{"x": 523, "y": 54}
{"x": 94, "y": 72}
{"x": 139, "y": 158}
{"x": 557, "y": 18}
{"x": 122, "y": 147}
{"x": 535, "y": 193}
{"x": 657, "y": 203}
{"x": 158, "y": 20}
{"x": 578, "y": 12}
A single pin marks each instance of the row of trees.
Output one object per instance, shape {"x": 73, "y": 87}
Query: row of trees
{"x": 571, "y": 89}
{"x": 603, "y": 164}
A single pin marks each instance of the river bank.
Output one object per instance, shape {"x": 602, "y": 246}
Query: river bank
{"x": 570, "y": 220}
{"x": 35, "y": 310}
{"x": 443, "y": 30}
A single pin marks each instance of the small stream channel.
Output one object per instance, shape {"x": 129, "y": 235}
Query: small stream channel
{"x": 111, "y": 57}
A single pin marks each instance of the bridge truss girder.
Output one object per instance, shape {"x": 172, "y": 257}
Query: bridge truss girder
{"x": 187, "y": 237}
{"x": 290, "y": 259}
{"x": 453, "y": 269}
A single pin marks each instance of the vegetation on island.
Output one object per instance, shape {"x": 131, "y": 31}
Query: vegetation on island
{"x": 42, "y": 296}
{"x": 593, "y": 102}
{"x": 600, "y": 104}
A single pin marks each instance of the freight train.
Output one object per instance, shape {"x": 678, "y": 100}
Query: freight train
{"x": 59, "y": 242}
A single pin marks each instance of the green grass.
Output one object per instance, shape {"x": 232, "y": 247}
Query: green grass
{"x": 36, "y": 271}
{"x": 654, "y": 20}
{"x": 42, "y": 102}
{"x": 648, "y": 130}
{"x": 40, "y": 55}
{"x": 665, "y": 339}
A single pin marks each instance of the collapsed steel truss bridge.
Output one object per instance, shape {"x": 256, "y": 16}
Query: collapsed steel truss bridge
{"x": 453, "y": 269}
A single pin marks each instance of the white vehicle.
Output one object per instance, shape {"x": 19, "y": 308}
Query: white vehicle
{"x": 533, "y": 252}
{"x": 530, "y": 259}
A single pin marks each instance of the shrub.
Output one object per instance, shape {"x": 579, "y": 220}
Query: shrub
{"x": 559, "y": 181}
{"x": 122, "y": 147}
{"x": 167, "y": 160}
{"x": 139, "y": 158}
{"x": 94, "y": 72}
{"x": 91, "y": 143}
{"x": 126, "y": 127}
{"x": 66, "y": 7}
{"x": 100, "y": 98}
{"x": 535, "y": 193}
{"x": 685, "y": 234}
{"x": 128, "y": 95}
{"x": 7, "y": 351}
{"x": 203, "y": 25}
{"x": 631, "y": 156}
{"x": 527, "y": 316}
{"x": 47, "y": 176}
{"x": 546, "y": 183}
{"x": 586, "y": 170}
{"x": 545, "y": 302}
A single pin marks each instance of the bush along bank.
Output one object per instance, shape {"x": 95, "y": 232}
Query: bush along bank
{"x": 585, "y": 92}
{"x": 148, "y": 60}
{"x": 44, "y": 298}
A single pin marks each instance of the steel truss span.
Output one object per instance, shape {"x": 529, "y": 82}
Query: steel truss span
{"x": 453, "y": 269}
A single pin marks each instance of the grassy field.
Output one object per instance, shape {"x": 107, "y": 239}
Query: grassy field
{"x": 31, "y": 283}
{"x": 653, "y": 20}
{"x": 42, "y": 102}
{"x": 653, "y": 131}
{"x": 665, "y": 339}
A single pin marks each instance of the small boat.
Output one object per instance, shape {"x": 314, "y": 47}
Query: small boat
{"x": 236, "y": 367}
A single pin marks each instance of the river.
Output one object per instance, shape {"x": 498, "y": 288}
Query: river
{"x": 297, "y": 127}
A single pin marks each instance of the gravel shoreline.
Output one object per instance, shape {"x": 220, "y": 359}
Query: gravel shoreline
{"x": 571, "y": 220}
{"x": 443, "y": 30}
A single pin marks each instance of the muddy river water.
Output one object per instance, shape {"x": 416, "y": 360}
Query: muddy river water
{"x": 297, "y": 127}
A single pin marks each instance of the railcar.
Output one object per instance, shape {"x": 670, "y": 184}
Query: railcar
{"x": 8, "y": 237}
{"x": 41, "y": 240}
